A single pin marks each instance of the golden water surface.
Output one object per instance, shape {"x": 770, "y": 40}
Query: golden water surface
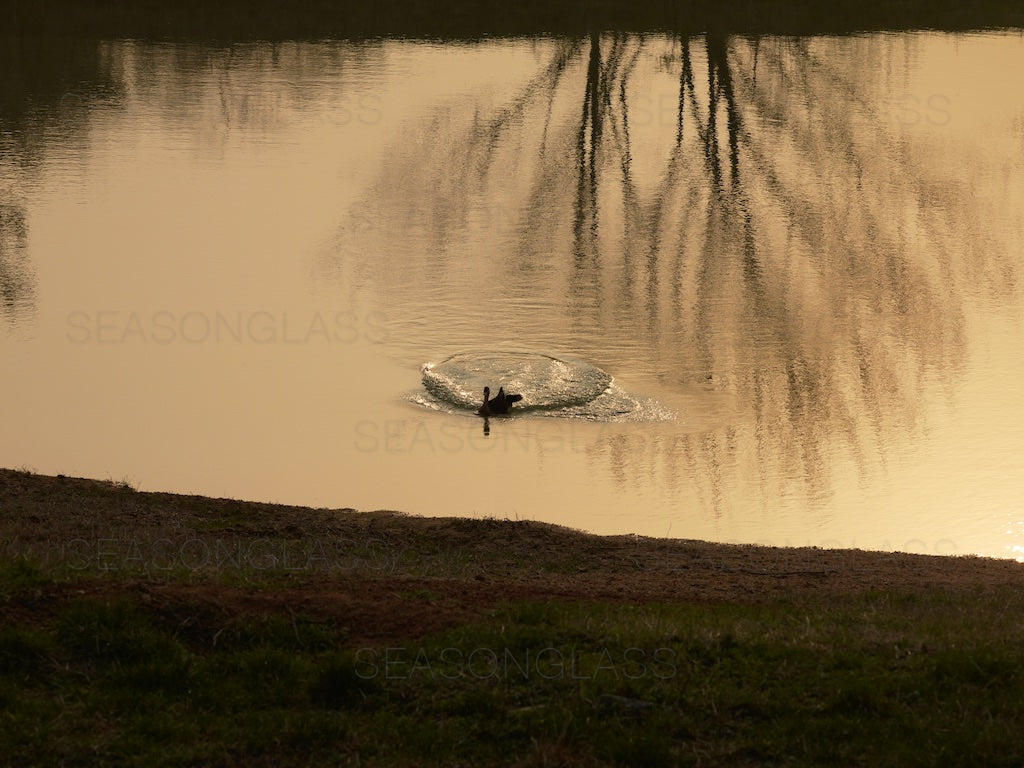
{"x": 222, "y": 268}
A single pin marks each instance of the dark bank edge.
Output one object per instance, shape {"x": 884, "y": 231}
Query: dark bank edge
{"x": 465, "y": 19}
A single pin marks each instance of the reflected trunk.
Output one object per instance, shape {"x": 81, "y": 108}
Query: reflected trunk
{"x": 732, "y": 262}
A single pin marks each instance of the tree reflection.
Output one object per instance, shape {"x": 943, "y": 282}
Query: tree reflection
{"x": 17, "y": 287}
{"x": 772, "y": 236}
{"x": 44, "y": 87}
{"x": 211, "y": 94}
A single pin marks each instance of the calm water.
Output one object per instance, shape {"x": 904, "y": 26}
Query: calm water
{"x": 222, "y": 270}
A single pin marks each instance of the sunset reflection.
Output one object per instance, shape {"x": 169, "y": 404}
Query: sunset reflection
{"x": 807, "y": 250}
{"x": 747, "y": 217}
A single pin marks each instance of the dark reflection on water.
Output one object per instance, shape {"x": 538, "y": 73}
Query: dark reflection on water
{"x": 16, "y": 282}
{"x": 46, "y": 88}
{"x": 256, "y": 87}
{"x": 792, "y": 245}
{"x": 774, "y": 238}
{"x": 52, "y": 87}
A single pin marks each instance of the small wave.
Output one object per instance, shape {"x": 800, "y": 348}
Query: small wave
{"x": 550, "y": 386}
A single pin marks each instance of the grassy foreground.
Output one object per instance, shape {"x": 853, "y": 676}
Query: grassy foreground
{"x": 157, "y": 629}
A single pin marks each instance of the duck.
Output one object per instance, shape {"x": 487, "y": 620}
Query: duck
{"x": 500, "y": 404}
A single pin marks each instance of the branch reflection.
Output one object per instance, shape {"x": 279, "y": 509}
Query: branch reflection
{"x": 770, "y": 235}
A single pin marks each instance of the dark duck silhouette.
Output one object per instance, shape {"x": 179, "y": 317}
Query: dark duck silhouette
{"x": 499, "y": 405}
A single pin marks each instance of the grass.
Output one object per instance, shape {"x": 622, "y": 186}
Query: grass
{"x": 876, "y": 680}
{"x": 478, "y": 643}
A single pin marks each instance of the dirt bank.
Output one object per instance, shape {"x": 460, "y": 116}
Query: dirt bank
{"x": 202, "y": 562}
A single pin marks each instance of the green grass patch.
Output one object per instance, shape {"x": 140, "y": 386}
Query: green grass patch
{"x": 21, "y": 573}
{"x": 877, "y": 679}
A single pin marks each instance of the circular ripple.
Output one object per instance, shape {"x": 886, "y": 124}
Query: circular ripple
{"x": 546, "y": 383}
{"x": 550, "y": 386}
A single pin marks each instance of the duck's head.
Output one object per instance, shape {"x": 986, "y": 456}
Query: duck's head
{"x": 487, "y": 392}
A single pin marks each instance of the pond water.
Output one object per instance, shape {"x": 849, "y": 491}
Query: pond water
{"x": 790, "y": 266}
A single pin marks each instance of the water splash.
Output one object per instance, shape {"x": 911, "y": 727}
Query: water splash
{"x": 550, "y": 386}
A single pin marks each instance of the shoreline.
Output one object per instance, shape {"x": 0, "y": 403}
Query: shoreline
{"x": 469, "y": 20}
{"x": 163, "y": 629}
{"x": 78, "y": 530}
